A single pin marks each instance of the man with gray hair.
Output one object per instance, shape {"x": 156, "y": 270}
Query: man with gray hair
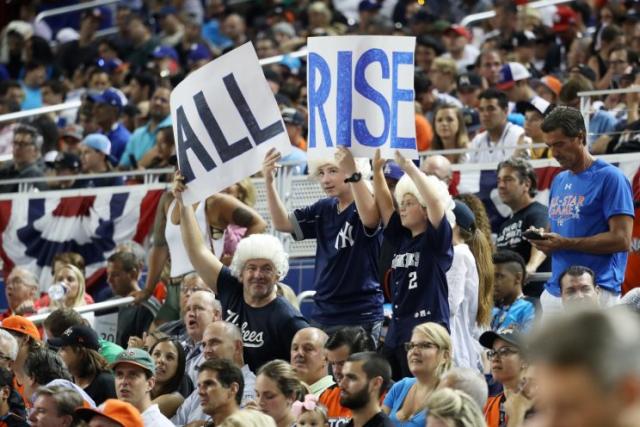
{"x": 438, "y": 166}
{"x": 21, "y": 290}
{"x": 55, "y": 406}
{"x": 587, "y": 368}
{"x": 468, "y": 380}
{"x": 27, "y": 142}
{"x": 8, "y": 349}
{"x": 247, "y": 288}
{"x": 590, "y": 212}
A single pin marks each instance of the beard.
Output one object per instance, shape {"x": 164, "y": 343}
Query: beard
{"x": 356, "y": 400}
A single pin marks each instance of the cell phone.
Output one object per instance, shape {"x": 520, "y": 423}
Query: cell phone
{"x": 534, "y": 235}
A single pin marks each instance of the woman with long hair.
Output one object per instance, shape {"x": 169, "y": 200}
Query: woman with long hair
{"x": 78, "y": 347}
{"x": 277, "y": 387}
{"x": 169, "y": 358}
{"x": 470, "y": 281}
{"x": 429, "y": 356}
{"x": 450, "y": 132}
{"x": 479, "y": 212}
{"x": 70, "y": 283}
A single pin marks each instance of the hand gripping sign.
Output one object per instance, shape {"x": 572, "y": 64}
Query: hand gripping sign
{"x": 360, "y": 95}
{"x": 225, "y": 119}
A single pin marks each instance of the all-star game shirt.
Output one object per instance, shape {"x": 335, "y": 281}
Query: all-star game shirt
{"x": 266, "y": 331}
{"x": 418, "y": 278}
{"x": 347, "y": 289}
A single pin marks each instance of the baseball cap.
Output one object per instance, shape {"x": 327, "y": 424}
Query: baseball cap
{"x": 110, "y": 65}
{"x": 284, "y": 28}
{"x": 67, "y": 161}
{"x": 137, "y": 357}
{"x": 585, "y": 71}
{"x": 99, "y": 142}
{"x": 292, "y": 116}
{"x": 79, "y": 335}
{"x": 465, "y": 219}
{"x": 510, "y": 335}
{"x": 538, "y": 104}
{"x": 458, "y": 30}
{"x": 21, "y": 325}
{"x": 468, "y": 81}
{"x": 50, "y": 158}
{"x": 117, "y": 411}
{"x": 471, "y": 119}
{"x": 197, "y": 52}
{"x": 552, "y": 83}
{"x": 510, "y": 73}
{"x": 523, "y": 38}
{"x": 564, "y": 18}
{"x": 161, "y": 52}
{"x": 109, "y": 97}
{"x": 392, "y": 170}
{"x": 73, "y": 131}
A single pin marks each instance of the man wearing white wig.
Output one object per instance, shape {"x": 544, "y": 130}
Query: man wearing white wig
{"x": 421, "y": 234}
{"x": 348, "y": 241}
{"x": 246, "y": 289}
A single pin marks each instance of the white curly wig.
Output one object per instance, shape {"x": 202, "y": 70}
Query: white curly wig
{"x": 362, "y": 165}
{"x": 260, "y": 246}
{"x": 406, "y": 186}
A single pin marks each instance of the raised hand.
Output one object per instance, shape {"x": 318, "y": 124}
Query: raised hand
{"x": 378, "y": 162}
{"x": 345, "y": 161}
{"x": 178, "y": 186}
{"x": 270, "y": 164}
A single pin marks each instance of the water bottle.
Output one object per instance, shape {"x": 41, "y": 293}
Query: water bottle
{"x": 58, "y": 291}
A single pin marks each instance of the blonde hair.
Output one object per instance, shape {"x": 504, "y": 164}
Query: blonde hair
{"x": 457, "y": 406}
{"x": 438, "y": 335}
{"x": 248, "y": 418}
{"x": 247, "y": 192}
{"x": 285, "y": 377}
{"x": 79, "y": 299}
{"x": 285, "y": 291}
{"x": 362, "y": 165}
{"x": 445, "y": 65}
{"x": 406, "y": 185}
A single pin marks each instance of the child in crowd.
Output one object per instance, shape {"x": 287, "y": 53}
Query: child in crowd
{"x": 309, "y": 413}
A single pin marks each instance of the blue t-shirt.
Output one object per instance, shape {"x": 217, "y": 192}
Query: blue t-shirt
{"x": 519, "y": 315}
{"x": 347, "y": 289}
{"x": 119, "y": 137}
{"x": 266, "y": 331}
{"x": 32, "y": 97}
{"x": 418, "y": 281}
{"x": 581, "y": 205}
{"x": 395, "y": 398}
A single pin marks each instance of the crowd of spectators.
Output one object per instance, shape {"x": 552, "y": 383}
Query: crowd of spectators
{"x": 214, "y": 336}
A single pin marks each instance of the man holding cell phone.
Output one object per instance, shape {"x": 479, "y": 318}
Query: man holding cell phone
{"x": 590, "y": 212}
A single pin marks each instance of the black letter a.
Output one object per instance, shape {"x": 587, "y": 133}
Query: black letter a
{"x": 192, "y": 142}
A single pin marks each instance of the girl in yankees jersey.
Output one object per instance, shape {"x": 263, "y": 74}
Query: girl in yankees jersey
{"x": 421, "y": 235}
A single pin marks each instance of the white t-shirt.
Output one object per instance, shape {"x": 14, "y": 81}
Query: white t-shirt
{"x": 463, "y": 282}
{"x": 152, "y": 417}
{"x": 494, "y": 151}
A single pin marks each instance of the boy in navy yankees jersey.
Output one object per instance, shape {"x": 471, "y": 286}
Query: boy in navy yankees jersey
{"x": 348, "y": 244}
{"x": 421, "y": 235}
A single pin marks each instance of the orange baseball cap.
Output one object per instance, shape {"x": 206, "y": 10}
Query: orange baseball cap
{"x": 117, "y": 411}
{"x": 21, "y": 325}
{"x": 552, "y": 83}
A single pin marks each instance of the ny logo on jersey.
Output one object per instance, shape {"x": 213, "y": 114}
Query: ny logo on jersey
{"x": 344, "y": 237}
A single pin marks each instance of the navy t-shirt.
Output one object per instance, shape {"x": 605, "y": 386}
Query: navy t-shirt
{"x": 418, "y": 280}
{"x": 346, "y": 265}
{"x": 266, "y": 331}
{"x": 510, "y": 234}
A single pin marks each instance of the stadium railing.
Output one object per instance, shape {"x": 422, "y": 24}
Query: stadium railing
{"x": 76, "y": 7}
{"x": 113, "y": 303}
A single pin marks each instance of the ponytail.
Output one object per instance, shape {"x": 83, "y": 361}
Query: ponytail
{"x": 482, "y": 252}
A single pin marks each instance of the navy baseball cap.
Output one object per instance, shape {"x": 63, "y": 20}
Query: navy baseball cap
{"x": 369, "y": 5}
{"x": 509, "y": 334}
{"x": 161, "y": 52}
{"x": 292, "y": 116}
{"x": 468, "y": 81}
{"x": 197, "y": 52}
{"x": 109, "y": 97}
{"x": 67, "y": 161}
{"x": 465, "y": 219}
{"x": 78, "y": 335}
{"x": 471, "y": 119}
{"x": 392, "y": 170}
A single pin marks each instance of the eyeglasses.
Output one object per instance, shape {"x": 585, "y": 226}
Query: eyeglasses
{"x": 408, "y": 346}
{"x": 502, "y": 352}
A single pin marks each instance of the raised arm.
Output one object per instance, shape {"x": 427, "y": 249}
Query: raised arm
{"x": 278, "y": 212}
{"x": 365, "y": 203}
{"x": 205, "y": 263}
{"x": 159, "y": 253}
{"x": 381, "y": 192}
{"x": 436, "y": 205}
{"x": 223, "y": 209}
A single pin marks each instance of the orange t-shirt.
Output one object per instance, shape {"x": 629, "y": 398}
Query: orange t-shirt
{"x": 494, "y": 412}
